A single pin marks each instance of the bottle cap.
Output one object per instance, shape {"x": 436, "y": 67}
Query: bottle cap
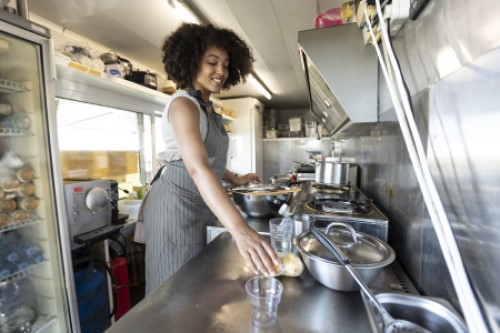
{"x": 284, "y": 209}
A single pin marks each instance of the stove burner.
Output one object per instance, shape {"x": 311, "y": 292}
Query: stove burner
{"x": 332, "y": 205}
{"x": 329, "y": 188}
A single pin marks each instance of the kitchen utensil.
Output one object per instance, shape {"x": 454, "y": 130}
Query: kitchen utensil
{"x": 275, "y": 191}
{"x": 263, "y": 204}
{"x": 391, "y": 324}
{"x": 332, "y": 173}
{"x": 368, "y": 253}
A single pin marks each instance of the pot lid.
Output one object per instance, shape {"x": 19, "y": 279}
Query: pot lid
{"x": 367, "y": 251}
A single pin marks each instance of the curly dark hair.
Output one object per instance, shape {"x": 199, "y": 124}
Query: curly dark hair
{"x": 184, "y": 48}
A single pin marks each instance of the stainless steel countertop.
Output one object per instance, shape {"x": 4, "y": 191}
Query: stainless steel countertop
{"x": 207, "y": 295}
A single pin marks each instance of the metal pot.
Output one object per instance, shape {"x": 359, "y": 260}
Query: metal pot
{"x": 368, "y": 254}
{"x": 260, "y": 205}
{"x": 301, "y": 223}
{"x": 332, "y": 173}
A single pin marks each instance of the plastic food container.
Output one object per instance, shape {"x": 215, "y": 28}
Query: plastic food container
{"x": 130, "y": 207}
{"x": 295, "y": 124}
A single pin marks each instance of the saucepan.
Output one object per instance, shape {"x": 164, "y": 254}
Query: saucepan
{"x": 332, "y": 172}
{"x": 368, "y": 254}
{"x": 262, "y": 200}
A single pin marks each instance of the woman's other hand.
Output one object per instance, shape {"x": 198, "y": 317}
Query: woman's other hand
{"x": 248, "y": 178}
{"x": 257, "y": 252}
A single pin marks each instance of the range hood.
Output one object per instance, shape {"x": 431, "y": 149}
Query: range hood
{"x": 342, "y": 75}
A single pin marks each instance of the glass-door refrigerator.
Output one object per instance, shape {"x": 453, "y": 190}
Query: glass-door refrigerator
{"x": 35, "y": 283}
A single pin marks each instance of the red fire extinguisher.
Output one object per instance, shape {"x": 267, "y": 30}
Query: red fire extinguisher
{"x": 121, "y": 288}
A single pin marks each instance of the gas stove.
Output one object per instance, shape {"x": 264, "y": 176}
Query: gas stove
{"x": 342, "y": 204}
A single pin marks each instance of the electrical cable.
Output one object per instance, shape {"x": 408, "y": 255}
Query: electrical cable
{"x": 112, "y": 278}
{"x": 429, "y": 191}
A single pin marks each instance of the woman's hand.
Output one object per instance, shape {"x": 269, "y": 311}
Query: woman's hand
{"x": 257, "y": 252}
{"x": 248, "y": 178}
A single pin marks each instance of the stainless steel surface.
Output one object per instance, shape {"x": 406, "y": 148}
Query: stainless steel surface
{"x": 368, "y": 254}
{"x": 374, "y": 222}
{"x": 332, "y": 172}
{"x": 87, "y": 205}
{"x": 339, "y": 67}
{"x": 97, "y": 199}
{"x": 390, "y": 324}
{"x": 301, "y": 223}
{"x": 449, "y": 58}
{"x": 207, "y": 295}
{"x": 280, "y": 154}
{"x": 436, "y": 314}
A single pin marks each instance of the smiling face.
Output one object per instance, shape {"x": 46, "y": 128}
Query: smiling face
{"x": 212, "y": 72}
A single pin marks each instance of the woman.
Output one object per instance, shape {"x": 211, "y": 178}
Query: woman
{"x": 189, "y": 196}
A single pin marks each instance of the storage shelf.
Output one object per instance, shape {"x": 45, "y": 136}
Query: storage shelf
{"x": 14, "y": 132}
{"x": 296, "y": 139}
{"x": 72, "y": 71}
{"x": 16, "y": 225}
{"x": 22, "y": 274}
{"x": 13, "y": 86}
{"x": 42, "y": 322}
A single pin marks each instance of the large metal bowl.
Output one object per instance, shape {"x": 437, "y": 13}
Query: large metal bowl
{"x": 260, "y": 205}
{"x": 369, "y": 255}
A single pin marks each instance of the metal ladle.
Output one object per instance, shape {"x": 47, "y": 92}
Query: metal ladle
{"x": 391, "y": 324}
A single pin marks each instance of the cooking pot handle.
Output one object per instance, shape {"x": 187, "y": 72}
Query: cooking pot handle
{"x": 326, "y": 242}
{"x": 338, "y": 224}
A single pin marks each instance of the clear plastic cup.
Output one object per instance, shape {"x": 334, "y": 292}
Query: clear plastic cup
{"x": 264, "y": 294}
{"x": 281, "y": 230}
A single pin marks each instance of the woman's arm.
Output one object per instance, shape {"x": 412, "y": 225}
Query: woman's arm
{"x": 184, "y": 116}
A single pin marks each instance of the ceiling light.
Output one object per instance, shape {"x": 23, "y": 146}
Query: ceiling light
{"x": 253, "y": 80}
{"x": 185, "y": 12}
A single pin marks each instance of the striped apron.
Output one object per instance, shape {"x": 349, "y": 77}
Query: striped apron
{"x": 175, "y": 215}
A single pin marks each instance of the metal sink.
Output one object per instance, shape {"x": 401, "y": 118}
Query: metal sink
{"x": 435, "y": 314}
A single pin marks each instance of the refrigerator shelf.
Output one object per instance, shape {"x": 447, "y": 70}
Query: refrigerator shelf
{"x": 22, "y": 274}
{"x": 42, "y": 322}
{"x": 13, "y": 86}
{"x": 16, "y": 225}
{"x": 14, "y": 132}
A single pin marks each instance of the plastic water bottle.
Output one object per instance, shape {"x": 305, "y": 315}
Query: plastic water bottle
{"x": 32, "y": 252}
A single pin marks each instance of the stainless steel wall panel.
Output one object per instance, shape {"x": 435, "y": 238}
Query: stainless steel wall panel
{"x": 450, "y": 59}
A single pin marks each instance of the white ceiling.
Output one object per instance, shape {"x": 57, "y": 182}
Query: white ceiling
{"x": 136, "y": 28}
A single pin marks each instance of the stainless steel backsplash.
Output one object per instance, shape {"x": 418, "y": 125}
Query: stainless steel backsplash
{"x": 450, "y": 58}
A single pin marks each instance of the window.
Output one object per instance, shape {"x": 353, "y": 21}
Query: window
{"x": 100, "y": 142}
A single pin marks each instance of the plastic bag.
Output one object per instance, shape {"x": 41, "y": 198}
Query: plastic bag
{"x": 336, "y": 16}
